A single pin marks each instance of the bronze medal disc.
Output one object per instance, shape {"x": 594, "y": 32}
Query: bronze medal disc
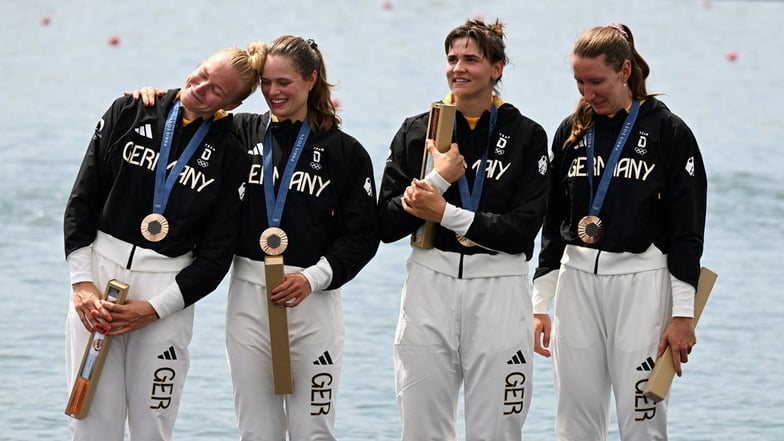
{"x": 465, "y": 242}
{"x": 273, "y": 241}
{"x": 590, "y": 229}
{"x": 155, "y": 227}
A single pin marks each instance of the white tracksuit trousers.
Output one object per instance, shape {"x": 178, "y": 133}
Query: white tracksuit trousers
{"x": 145, "y": 370}
{"x": 473, "y": 331}
{"x": 605, "y": 335}
{"x": 316, "y": 335}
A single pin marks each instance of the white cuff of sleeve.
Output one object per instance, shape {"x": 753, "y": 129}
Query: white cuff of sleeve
{"x": 319, "y": 275}
{"x": 434, "y": 179}
{"x": 168, "y": 301}
{"x": 80, "y": 265}
{"x": 544, "y": 292}
{"x": 682, "y": 298}
{"x": 457, "y": 219}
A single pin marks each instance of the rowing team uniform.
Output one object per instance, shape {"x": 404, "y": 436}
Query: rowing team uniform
{"x": 329, "y": 221}
{"x": 144, "y": 371}
{"x": 614, "y": 298}
{"x": 466, "y": 310}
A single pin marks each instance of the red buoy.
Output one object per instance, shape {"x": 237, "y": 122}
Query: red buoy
{"x": 114, "y": 40}
{"x": 732, "y": 56}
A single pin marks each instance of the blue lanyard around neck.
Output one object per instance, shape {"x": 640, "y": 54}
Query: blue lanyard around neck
{"x": 275, "y": 204}
{"x": 595, "y": 201}
{"x": 163, "y": 183}
{"x": 470, "y": 200}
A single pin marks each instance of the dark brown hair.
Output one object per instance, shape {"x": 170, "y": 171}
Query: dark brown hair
{"x": 306, "y": 57}
{"x": 489, "y": 38}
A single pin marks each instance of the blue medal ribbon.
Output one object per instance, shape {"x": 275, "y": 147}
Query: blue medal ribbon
{"x": 163, "y": 183}
{"x": 470, "y": 199}
{"x": 595, "y": 201}
{"x": 275, "y": 204}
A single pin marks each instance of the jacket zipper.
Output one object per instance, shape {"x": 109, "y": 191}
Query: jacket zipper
{"x": 130, "y": 258}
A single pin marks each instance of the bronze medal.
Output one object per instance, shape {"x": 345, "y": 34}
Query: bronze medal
{"x": 465, "y": 242}
{"x": 155, "y": 227}
{"x": 273, "y": 241}
{"x": 590, "y": 229}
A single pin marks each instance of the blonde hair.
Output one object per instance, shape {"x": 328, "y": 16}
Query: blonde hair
{"x": 248, "y": 63}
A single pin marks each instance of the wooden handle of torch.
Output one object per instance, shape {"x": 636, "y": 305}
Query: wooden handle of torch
{"x": 663, "y": 372}
{"x": 279, "y": 329}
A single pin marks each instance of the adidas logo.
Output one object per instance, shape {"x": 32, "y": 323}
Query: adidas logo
{"x": 168, "y": 354}
{"x": 324, "y": 360}
{"x": 255, "y": 151}
{"x": 145, "y": 130}
{"x": 518, "y": 358}
{"x": 647, "y": 365}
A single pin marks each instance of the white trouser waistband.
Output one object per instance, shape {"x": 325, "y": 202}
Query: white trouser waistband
{"x": 141, "y": 259}
{"x": 252, "y": 271}
{"x": 472, "y": 266}
{"x": 606, "y": 263}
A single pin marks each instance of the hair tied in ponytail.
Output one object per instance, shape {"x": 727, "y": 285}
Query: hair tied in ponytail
{"x": 619, "y": 27}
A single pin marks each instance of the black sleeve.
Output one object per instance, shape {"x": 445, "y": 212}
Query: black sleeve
{"x": 94, "y": 179}
{"x": 403, "y": 164}
{"x": 357, "y": 241}
{"x": 684, "y": 202}
{"x": 215, "y": 250}
{"x": 557, "y": 209}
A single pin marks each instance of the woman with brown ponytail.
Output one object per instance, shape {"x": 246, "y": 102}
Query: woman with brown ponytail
{"x": 313, "y": 184}
{"x": 621, "y": 244}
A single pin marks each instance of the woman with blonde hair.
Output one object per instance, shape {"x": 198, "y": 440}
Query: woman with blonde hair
{"x": 156, "y": 205}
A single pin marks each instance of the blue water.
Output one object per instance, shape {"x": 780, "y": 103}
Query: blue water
{"x": 57, "y": 79}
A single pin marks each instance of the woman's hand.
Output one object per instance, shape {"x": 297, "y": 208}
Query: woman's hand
{"x": 130, "y": 316}
{"x": 147, "y": 94}
{"x": 679, "y": 336}
{"x": 292, "y": 291}
{"x": 542, "y": 334}
{"x": 450, "y": 165}
{"x": 87, "y": 303}
{"x": 422, "y": 200}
